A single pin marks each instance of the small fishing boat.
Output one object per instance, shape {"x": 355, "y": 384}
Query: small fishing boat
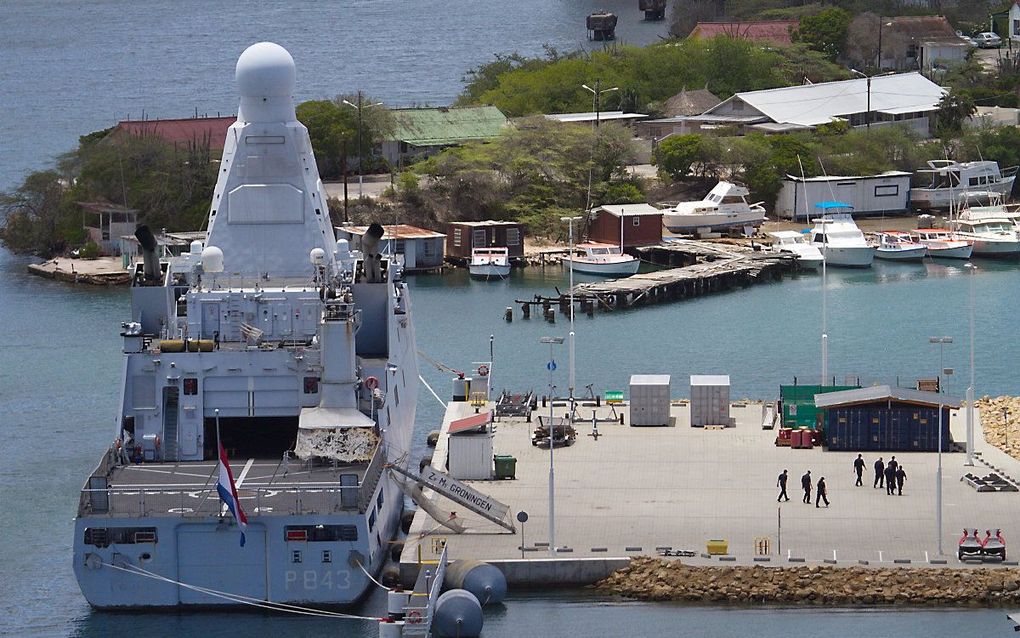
{"x": 603, "y": 259}
{"x": 899, "y": 246}
{"x": 489, "y": 263}
{"x": 792, "y": 242}
{"x": 724, "y": 207}
{"x": 942, "y": 243}
{"x": 842, "y": 243}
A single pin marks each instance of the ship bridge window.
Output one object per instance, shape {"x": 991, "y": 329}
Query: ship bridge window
{"x": 321, "y": 533}
{"x": 106, "y": 536}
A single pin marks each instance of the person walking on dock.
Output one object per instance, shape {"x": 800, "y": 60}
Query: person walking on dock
{"x": 859, "y": 469}
{"x": 879, "y": 473}
{"x": 805, "y": 482}
{"x": 893, "y": 463}
{"x": 781, "y": 484}
{"x": 890, "y": 479}
{"x": 900, "y": 477}
{"x": 822, "y": 494}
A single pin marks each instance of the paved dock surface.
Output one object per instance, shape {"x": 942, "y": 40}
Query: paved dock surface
{"x": 634, "y": 490}
{"x": 104, "y": 270}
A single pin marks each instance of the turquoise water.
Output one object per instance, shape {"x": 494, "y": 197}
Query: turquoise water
{"x": 69, "y": 67}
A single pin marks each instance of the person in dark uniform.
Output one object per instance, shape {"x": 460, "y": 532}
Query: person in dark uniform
{"x": 822, "y": 494}
{"x": 879, "y": 473}
{"x": 900, "y": 477}
{"x": 890, "y": 479}
{"x": 781, "y": 484}
{"x": 859, "y": 469}
{"x": 893, "y": 463}
{"x": 805, "y": 482}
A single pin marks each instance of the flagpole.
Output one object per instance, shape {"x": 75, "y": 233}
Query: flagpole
{"x": 218, "y": 444}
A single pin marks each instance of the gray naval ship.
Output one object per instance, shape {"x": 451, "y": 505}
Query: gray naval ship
{"x": 279, "y": 342}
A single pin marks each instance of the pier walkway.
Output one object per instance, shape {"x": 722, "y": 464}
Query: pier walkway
{"x": 634, "y": 490}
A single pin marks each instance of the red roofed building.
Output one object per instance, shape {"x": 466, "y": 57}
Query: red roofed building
{"x": 773, "y": 31}
{"x": 194, "y": 130}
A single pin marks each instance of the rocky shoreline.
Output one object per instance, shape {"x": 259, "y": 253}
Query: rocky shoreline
{"x": 1000, "y": 417}
{"x": 654, "y": 579}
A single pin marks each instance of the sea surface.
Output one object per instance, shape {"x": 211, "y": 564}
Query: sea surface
{"x": 67, "y": 68}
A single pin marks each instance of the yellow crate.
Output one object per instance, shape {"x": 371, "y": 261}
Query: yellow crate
{"x": 718, "y": 547}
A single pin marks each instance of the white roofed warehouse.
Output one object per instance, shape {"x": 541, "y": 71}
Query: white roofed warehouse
{"x": 903, "y": 98}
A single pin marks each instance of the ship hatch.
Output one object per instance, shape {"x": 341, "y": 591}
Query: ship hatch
{"x": 252, "y": 437}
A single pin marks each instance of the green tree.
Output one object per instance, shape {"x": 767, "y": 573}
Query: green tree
{"x": 676, "y": 154}
{"x": 953, "y": 109}
{"x": 825, "y": 31}
{"x": 333, "y": 129}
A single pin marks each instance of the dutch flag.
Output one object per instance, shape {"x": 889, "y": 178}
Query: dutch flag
{"x": 228, "y": 492}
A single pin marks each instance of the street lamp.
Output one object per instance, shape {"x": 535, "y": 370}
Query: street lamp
{"x": 551, "y": 366}
{"x": 971, "y": 269}
{"x": 361, "y": 171}
{"x": 596, "y": 99}
{"x": 942, "y": 341}
{"x": 570, "y": 234}
{"x": 868, "y": 78}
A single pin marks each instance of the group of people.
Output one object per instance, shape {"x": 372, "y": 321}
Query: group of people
{"x": 821, "y": 492}
{"x": 889, "y": 475}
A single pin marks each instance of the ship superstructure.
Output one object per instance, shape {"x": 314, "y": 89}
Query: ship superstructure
{"x": 295, "y": 352}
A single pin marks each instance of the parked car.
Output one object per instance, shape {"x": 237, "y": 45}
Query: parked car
{"x": 988, "y": 40}
{"x": 966, "y": 38}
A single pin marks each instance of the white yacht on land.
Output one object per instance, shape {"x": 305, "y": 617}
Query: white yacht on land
{"x": 899, "y": 246}
{"x": 489, "y": 263}
{"x": 991, "y": 236}
{"x": 794, "y": 243}
{"x": 269, "y": 377}
{"x": 842, "y": 243}
{"x": 603, "y": 259}
{"x": 943, "y": 243}
{"x": 949, "y": 179}
{"x": 724, "y": 208}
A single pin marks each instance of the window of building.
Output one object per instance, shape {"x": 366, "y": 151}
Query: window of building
{"x": 427, "y": 249}
{"x": 398, "y": 246}
{"x": 478, "y": 238}
{"x": 513, "y": 236}
{"x": 889, "y": 190}
{"x": 636, "y": 221}
{"x": 456, "y": 237}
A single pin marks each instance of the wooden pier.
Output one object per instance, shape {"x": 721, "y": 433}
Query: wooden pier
{"x": 707, "y": 267}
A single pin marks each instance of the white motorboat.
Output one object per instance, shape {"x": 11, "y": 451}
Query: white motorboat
{"x": 842, "y": 243}
{"x": 603, "y": 259}
{"x": 724, "y": 207}
{"x": 991, "y": 236}
{"x": 790, "y": 241}
{"x": 949, "y": 179}
{"x": 899, "y": 246}
{"x": 942, "y": 243}
{"x": 489, "y": 263}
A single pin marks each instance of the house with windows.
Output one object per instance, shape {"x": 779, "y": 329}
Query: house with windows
{"x": 462, "y": 237}
{"x": 1014, "y": 21}
{"x": 924, "y": 43}
{"x": 421, "y": 132}
{"x": 626, "y": 225}
{"x": 105, "y": 223}
{"x": 421, "y": 249}
{"x": 906, "y": 99}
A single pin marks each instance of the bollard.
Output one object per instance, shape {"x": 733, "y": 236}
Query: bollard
{"x": 550, "y": 315}
{"x": 508, "y": 315}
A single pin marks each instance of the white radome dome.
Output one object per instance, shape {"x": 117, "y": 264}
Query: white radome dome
{"x": 265, "y": 69}
{"x": 212, "y": 259}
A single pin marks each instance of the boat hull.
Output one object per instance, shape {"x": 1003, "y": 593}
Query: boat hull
{"x": 909, "y": 254}
{"x": 489, "y": 271}
{"x": 713, "y": 222}
{"x": 953, "y": 252}
{"x": 943, "y": 197}
{"x": 988, "y": 248}
{"x": 849, "y": 256}
{"x": 625, "y": 267}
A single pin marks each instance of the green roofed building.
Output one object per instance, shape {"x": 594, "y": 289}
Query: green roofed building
{"x": 419, "y": 133}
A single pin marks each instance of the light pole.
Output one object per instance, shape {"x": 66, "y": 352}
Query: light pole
{"x": 942, "y": 341}
{"x": 597, "y": 97}
{"x": 551, "y": 366}
{"x": 971, "y": 269}
{"x": 361, "y": 170}
{"x": 867, "y": 119}
{"x": 570, "y": 234}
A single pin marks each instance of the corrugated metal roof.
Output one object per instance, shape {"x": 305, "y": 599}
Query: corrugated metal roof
{"x": 487, "y": 222}
{"x": 710, "y": 379}
{"x": 838, "y": 178}
{"x": 814, "y": 104}
{"x": 881, "y": 393}
{"x": 473, "y": 423}
{"x": 444, "y": 126}
{"x": 400, "y": 231}
{"x": 777, "y": 31}
{"x": 591, "y": 116}
{"x": 180, "y": 131}
{"x": 628, "y": 210}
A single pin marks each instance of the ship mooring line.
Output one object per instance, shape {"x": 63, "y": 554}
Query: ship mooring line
{"x": 422, "y": 379}
{"x": 370, "y": 577}
{"x": 241, "y": 599}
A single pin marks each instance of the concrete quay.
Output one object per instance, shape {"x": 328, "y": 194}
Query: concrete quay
{"x": 100, "y": 271}
{"x": 634, "y": 490}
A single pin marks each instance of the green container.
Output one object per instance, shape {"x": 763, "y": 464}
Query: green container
{"x": 799, "y": 409}
{"x": 506, "y": 466}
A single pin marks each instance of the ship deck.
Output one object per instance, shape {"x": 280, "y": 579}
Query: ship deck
{"x": 265, "y": 486}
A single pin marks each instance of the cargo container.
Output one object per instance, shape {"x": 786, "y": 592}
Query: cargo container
{"x": 649, "y": 399}
{"x": 710, "y": 400}
{"x": 798, "y": 403}
{"x": 883, "y": 419}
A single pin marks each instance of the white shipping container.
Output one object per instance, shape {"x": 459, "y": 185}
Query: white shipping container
{"x": 649, "y": 399}
{"x": 710, "y": 400}
{"x": 471, "y": 456}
